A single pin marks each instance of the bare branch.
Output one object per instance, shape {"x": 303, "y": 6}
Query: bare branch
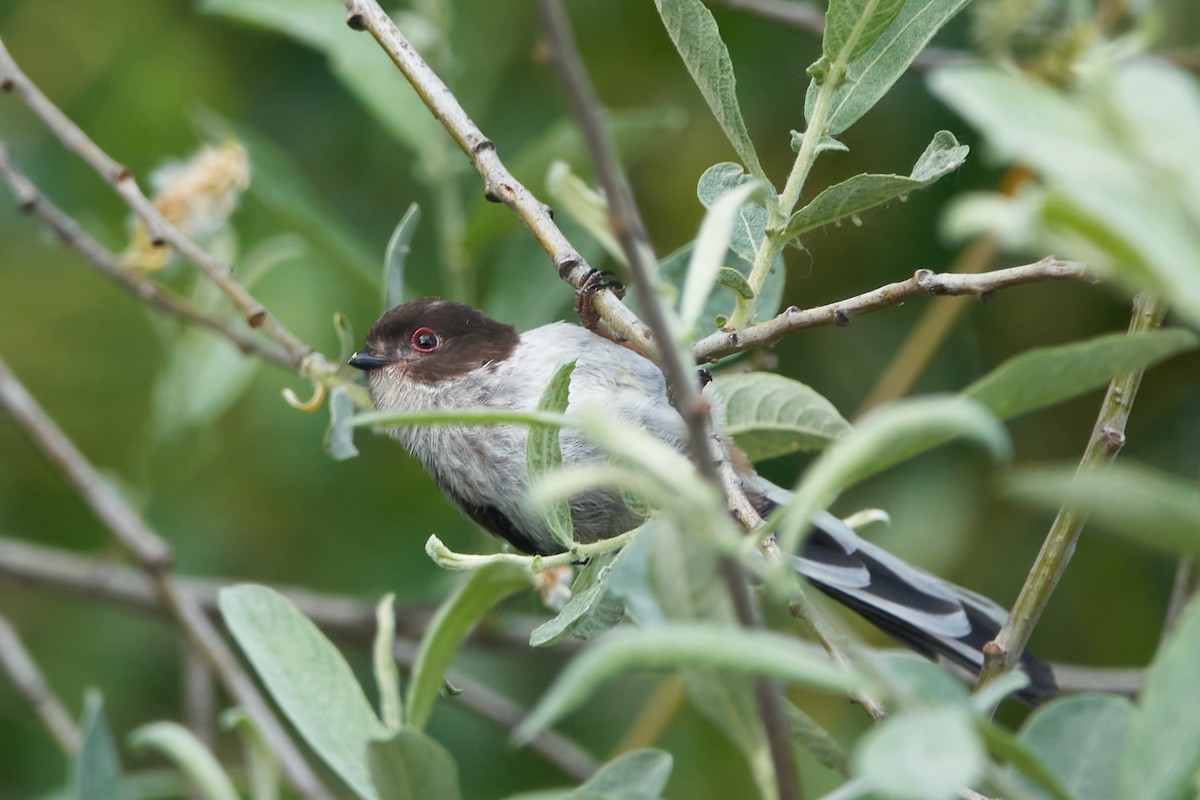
{"x": 72, "y": 236}
{"x": 29, "y": 683}
{"x": 1108, "y": 437}
{"x": 29, "y": 564}
{"x": 13, "y": 80}
{"x": 499, "y": 184}
{"x": 155, "y": 558}
{"x": 923, "y": 282}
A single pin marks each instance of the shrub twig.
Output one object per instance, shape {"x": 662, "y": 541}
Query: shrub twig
{"x": 1108, "y": 437}
{"x": 155, "y": 557}
{"x": 27, "y": 679}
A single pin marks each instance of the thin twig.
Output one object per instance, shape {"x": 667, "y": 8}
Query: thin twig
{"x": 626, "y": 222}
{"x": 155, "y": 557}
{"x": 1108, "y": 437}
{"x": 346, "y": 617}
{"x": 499, "y": 184}
{"x": 29, "y": 683}
{"x": 199, "y": 696}
{"x": 160, "y": 231}
{"x": 809, "y": 18}
{"x": 923, "y": 282}
{"x": 72, "y": 236}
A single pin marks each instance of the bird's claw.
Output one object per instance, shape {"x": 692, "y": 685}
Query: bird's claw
{"x": 596, "y": 281}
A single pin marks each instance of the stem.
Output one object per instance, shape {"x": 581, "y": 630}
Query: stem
{"x": 1108, "y": 437}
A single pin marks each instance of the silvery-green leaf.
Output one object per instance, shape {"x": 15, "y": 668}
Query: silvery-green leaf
{"x": 922, "y": 754}
{"x": 750, "y": 221}
{"x": 409, "y": 765}
{"x": 863, "y": 192}
{"x": 870, "y": 75}
{"x": 592, "y": 609}
{"x": 188, "y": 753}
{"x": 694, "y": 32}
{"x": 1080, "y": 739}
{"x": 339, "y": 436}
{"x": 297, "y": 665}
{"x": 588, "y": 206}
{"x": 852, "y": 26}
{"x": 387, "y": 677}
{"x": 458, "y": 615}
{"x": 769, "y": 415}
{"x": 262, "y": 769}
{"x": 398, "y": 248}
{"x": 1134, "y": 501}
{"x": 95, "y": 771}
{"x": 809, "y": 736}
{"x": 543, "y": 453}
{"x": 708, "y": 251}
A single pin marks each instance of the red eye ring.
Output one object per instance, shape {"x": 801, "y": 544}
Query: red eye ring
{"x": 424, "y": 340}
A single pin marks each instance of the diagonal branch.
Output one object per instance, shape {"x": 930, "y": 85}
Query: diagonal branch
{"x": 133, "y": 281}
{"x": 923, "y": 282}
{"x": 155, "y": 557}
{"x": 499, "y": 184}
{"x": 13, "y": 80}
{"x": 28, "y": 680}
{"x": 1108, "y": 437}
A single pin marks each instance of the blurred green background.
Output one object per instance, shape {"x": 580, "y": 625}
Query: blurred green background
{"x": 246, "y": 492}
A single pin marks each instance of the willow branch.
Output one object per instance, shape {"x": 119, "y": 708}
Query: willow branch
{"x": 923, "y": 282}
{"x": 155, "y": 557}
{"x": 351, "y": 618}
{"x": 27, "y": 679}
{"x": 68, "y": 232}
{"x": 160, "y": 231}
{"x": 499, "y": 184}
{"x": 1108, "y": 437}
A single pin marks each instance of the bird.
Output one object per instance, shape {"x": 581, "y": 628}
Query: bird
{"x": 434, "y": 354}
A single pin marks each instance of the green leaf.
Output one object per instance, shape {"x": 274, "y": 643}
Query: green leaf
{"x": 769, "y": 415}
{"x": 543, "y": 453}
{"x": 308, "y": 678}
{"x": 449, "y": 628}
{"x": 1130, "y": 500}
{"x": 708, "y": 251}
{"x": 1080, "y": 740}
{"x": 592, "y": 609}
{"x": 750, "y": 218}
{"x": 678, "y": 646}
{"x": 924, "y": 754}
{"x": 916, "y": 682}
{"x": 409, "y": 765}
{"x": 339, "y": 435}
{"x": 1048, "y": 375}
{"x": 280, "y": 185}
{"x": 262, "y": 769}
{"x": 387, "y": 677}
{"x": 883, "y": 438}
{"x": 636, "y": 775}
{"x": 96, "y": 773}
{"x": 588, "y": 206}
{"x": 182, "y": 748}
{"x": 398, "y": 248}
{"x": 1109, "y": 202}
{"x": 732, "y": 289}
{"x": 809, "y": 736}
{"x": 1162, "y": 752}
{"x": 694, "y": 32}
{"x": 1005, "y": 748}
{"x": 852, "y": 26}
{"x": 853, "y": 196}
{"x": 870, "y": 75}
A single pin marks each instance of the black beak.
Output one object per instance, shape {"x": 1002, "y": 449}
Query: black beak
{"x": 367, "y": 361}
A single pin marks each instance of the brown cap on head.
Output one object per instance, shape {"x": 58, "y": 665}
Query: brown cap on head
{"x": 435, "y": 340}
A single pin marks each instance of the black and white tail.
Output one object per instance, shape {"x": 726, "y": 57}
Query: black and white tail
{"x": 932, "y": 616}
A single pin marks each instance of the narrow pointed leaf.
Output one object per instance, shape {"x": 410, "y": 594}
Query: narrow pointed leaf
{"x": 449, "y": 628}
{"x": 862, "y": 192}
{"x": 637, "y": 775}
{"x": 339, "y": 436}
{"x": 769, "y": 415}
{"x": 695, "y": 34}
{"x": 387, "y": 676}
{"x": 96, "y": 773}
{"x": 398, "y": 248}
{"x": 678, "y": 646}
{"x": 852, "y": 26}
{"x": 543, "y": 453}
{"x": 409, "y": 765}
{"x": 708, "y": 252}
{"x": 188, "y": 753}
{"x": 592, "y": 609}
{"x": 308, "y": 679}
{"x": 262, "y": 770}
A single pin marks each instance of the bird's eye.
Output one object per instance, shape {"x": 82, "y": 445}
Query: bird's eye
{"x": 425, "y": 340}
